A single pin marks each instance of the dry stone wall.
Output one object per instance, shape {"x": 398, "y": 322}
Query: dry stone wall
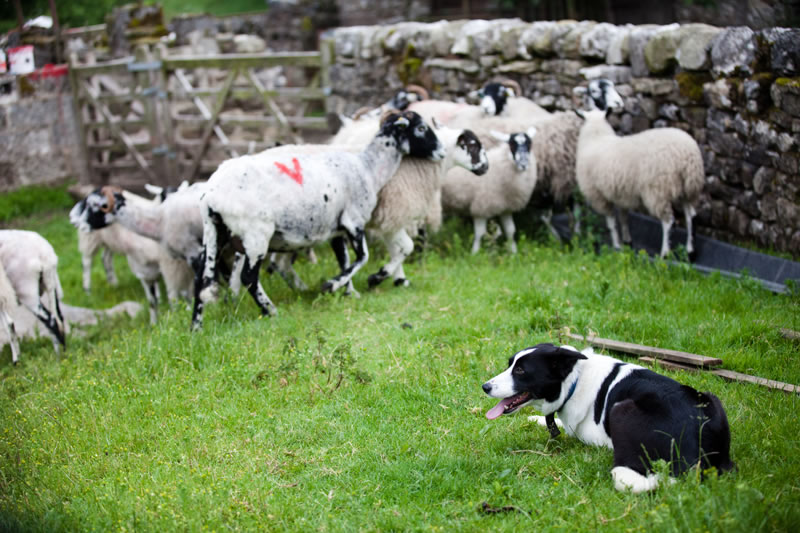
{"x": 736, "y": 90}
{"x": 37, "y": 133}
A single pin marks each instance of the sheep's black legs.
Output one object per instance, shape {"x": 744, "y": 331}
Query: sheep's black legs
{"x": 339, "y": 246}
{"x": 151, "y": 291}
{"x": 50, "y": 322}
{"x": 198, "y": 264}
{"x": 359, "y": 242}
{"x": 250, "y": 280}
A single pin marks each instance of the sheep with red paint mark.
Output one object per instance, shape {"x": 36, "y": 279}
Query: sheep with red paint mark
{"x": 267, "y": 202}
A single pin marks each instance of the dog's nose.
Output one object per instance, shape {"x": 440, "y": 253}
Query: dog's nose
{"x": 487, "y": 388}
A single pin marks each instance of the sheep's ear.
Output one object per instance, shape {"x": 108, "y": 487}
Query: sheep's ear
{"x": 580, "y": 114}
{"x": 502, "y": 137}
{"x": 401, "y": 122}
{"x": 531, "y": 132}
{"x": 436, "y": 124}
{"x": 184, "y": 185}
{"x": 155, "y": 190}
{"x": 509, "y": 92}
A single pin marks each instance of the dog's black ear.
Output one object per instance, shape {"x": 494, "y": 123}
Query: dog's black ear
{"x": 561, "y": 362}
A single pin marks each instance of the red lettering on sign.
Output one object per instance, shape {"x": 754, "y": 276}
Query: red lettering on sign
{"x": 296, "y": 174}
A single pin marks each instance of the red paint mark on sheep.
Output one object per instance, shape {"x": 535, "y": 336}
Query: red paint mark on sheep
{"x": 296, "y": 174}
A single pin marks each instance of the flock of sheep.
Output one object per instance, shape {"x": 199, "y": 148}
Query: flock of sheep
{"x": 388, "y": 173}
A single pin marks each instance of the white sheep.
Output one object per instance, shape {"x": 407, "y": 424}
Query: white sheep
{"x": 277, "y": 203}
{"x": 8, "y": 301}
{"x": 554, "y": 146}
{"x": 654, "y": 169}
{"x": 412, "y": 194}
{"x": 505, "y": 189}
{"x": 31, "y": 269}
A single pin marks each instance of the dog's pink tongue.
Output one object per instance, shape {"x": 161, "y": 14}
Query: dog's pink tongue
{"x": 498, "y": 409}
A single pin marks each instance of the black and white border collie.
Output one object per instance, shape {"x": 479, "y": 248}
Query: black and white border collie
{"x": 641, "y": 415}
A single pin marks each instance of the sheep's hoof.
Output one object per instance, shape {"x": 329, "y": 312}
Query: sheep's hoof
{"x": 374, "y": 280}
{"x": 401, "y": 282}
{"x": 327, "y": 286}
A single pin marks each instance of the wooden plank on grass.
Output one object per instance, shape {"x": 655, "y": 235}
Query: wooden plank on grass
{"x": 790, "y": 334}
{"x": 730, "y": 375}
{"x": 663, "y": 363}
{"x": 650, "y": 351}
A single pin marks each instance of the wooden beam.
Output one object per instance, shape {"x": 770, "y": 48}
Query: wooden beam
{"x": 220, "y": 103}
{"x": 663, "y": 363}
{"x": 658, "y": 353}
{"x": 238, "y": 61}
{"x": 205, "y": 111}
{"x": 730, "y": 375}
{"x": 273, "y": 107}
{"x": 790, "y": 334}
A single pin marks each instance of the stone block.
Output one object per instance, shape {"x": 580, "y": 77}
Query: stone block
{"x": 719, "y": 120}
{"x": 734, "y": 52}
{"x": 694, "y": 115}
{"x": 719, "y": 94}
{"x": 725, "y": 144}
{"x": 785, "y": 93}
{"x": 519, "y": 67}
{"x": 594, "y": 42}
{"x": 659, "y": 52}
{"x": 461, "y": 65}
{"x": 788, "y": 213}
{"x": 738, "y": 221}
{"x": 748, "y": 202}
{"x": 615, "y": 73}
{"x": 784, "y": 50}
{"x": 694, "y": 46}
{"x": 669, "y": 111}
{"x": 769, "y": 207}
{"x": 653, "y": 86}
{"x": 789, "y": 163}
{"x": 637, "y": 40}
{"x": 568, "y": 44}
{"x": 762, "y": 180}
{"x": 617, "y": 52}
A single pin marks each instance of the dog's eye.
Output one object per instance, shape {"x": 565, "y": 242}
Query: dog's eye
{"x": 518, "y": 370}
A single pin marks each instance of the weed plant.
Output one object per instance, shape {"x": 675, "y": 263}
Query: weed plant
{"x": 345, "y": 414}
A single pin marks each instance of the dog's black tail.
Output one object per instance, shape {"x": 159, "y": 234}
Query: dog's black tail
{"x": 715, "y": 436}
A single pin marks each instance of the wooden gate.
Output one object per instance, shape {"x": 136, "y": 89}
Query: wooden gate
{"x": 163, "y": 119}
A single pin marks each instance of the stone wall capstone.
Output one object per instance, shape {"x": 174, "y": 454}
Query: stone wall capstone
{"x": 737, "y": 91}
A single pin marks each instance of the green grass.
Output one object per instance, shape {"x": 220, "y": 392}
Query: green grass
{"x": 337, "y": 416}
{"x": 26, "y": 201}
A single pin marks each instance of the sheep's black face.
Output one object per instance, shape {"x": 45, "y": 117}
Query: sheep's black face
{"x": 471, "y": 145}
{"x": 404, "y": 98}
{"x": 96, "y": 211}
{"x": 494, "y": 97}
{"x": 602, "y": 95}
{"x": 520, "y": 145}
{"x": 412, "y": 135}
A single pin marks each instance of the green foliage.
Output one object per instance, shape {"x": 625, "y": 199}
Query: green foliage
{"x": 344, "y": 414}
{"x": 27, "y": 201}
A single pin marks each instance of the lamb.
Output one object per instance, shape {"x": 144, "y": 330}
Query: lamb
{"x": 266, "y": 204}
{"x": 655, "y": 169}
{"x": 147, "y": 259}
{"x": 30, "y": 268}
{"x": 89, "y": 243}
{"x": 506, "y": 188}
{"x": 412, "y": 193}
